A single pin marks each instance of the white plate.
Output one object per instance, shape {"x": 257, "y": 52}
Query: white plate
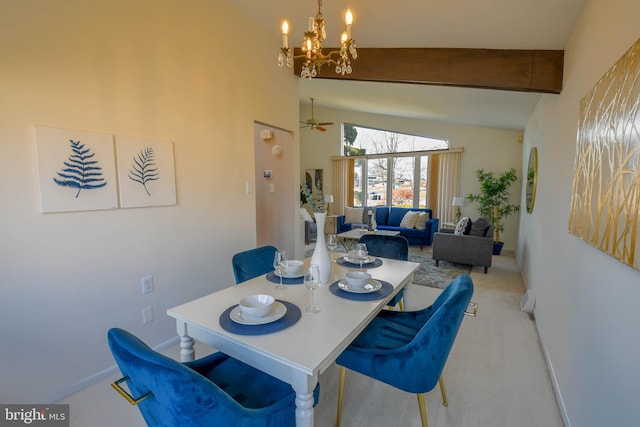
{"x": 371, "y": 286}
{"x": 368, "y": 260}
{"x": 278, "y": 310}
{"x": 289, "y": 276}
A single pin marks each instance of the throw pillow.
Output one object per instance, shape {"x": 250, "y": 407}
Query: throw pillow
{"x": 353, "y": 215}
{"x": 467, "y": 228}
{"x": 463, "y": 226}
{"x": 421, "y": 222}
{"x": 479, "y": 227}
{"x": 409, "y": 219}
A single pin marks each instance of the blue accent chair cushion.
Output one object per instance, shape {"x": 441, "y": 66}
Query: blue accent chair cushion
{"x": 394, "y": 247}
{"x": 253, "y": 263}
{"x": 408, "y": 350}
{"x": 215, "y": 390}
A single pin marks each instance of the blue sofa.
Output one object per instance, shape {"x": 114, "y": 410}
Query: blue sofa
{"x": 389, "y": 219}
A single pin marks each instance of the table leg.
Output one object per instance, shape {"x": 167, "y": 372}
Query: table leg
{"x": 347, "y": 246}
{"x": 304, "y": 386}
{"x": 187, "y": 351}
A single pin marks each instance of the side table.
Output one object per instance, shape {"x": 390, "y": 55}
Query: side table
{"x": 334, "y": 220}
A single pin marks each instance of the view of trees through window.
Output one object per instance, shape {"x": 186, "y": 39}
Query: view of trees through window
{"x": 391, "y": 168}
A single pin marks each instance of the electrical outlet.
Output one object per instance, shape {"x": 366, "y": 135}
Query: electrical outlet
{"x": 147, "y": 284}
{"x": 147, "y": 315}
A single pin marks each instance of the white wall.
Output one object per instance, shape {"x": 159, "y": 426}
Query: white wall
{"x": 494, "y": 150}
{"x": 162, "y": 69}
{"x": 278, "y": 197}
{"x": 586, "y": 307}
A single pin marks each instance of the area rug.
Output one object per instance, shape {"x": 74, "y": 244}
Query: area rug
{"x": 428, "y": 274}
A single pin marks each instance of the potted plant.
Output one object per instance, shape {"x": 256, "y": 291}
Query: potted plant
{"x": 493, "y": 201}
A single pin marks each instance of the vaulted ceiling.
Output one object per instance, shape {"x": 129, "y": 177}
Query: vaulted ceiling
{"x": 479, "y": 24}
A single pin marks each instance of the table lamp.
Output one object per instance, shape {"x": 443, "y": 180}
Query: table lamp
{"x": 457, "y": 202}
{"x": 328, "y": 199}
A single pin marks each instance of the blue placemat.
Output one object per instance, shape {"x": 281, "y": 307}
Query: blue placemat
{"x": 271, "y": 276}
{"x": 292, "y": 315}
{"x": 385, "y": 290}
{"x": 374, "y": 264}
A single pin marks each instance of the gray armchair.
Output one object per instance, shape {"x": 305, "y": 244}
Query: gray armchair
{"x": 310, "y": 227}
{"x": 476, "y": 248}
{"x": 310, "y": 232}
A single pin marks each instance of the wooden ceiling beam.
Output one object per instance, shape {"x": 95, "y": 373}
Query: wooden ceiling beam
{"x": 502, "y": 69}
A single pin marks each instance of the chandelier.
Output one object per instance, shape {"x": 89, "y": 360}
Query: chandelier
{"x": 312, "y": 47}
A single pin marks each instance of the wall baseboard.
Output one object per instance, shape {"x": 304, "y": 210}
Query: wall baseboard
{"x": 100, "y": 376}
{"x": 554, "y": 381}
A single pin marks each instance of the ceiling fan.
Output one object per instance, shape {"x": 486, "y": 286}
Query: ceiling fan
{"x": 313, "y": 123}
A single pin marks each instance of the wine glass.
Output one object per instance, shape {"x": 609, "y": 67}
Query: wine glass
{"x": 361, "y": 251}
{"x": 312, "y": 282}
{"x": 332, "y": 244}
{"x": 279, "y": 262}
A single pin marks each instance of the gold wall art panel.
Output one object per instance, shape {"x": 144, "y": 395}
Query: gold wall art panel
{"x": 605, "y": 205}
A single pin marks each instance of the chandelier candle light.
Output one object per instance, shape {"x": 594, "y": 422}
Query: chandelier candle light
{"x": 312, "y": 47}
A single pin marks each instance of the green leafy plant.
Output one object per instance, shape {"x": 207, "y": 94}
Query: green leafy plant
{"x": 317, "y": 203}
{"x": 303, "y": 195}
{"x": 493, "y": 198}
{"x": 350, "y": 135}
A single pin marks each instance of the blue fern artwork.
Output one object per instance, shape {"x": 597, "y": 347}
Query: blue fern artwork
{"x": 143, "y": 169}
{"x": 81, "y": 170}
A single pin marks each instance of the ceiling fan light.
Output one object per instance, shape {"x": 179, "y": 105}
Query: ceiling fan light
{"x": 312, "y": 123}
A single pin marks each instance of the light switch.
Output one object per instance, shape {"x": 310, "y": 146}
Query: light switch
{"x": 248, "y": 188}
{"x": 272, "y": 188}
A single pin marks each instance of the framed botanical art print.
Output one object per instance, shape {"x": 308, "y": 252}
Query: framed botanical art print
{"x": 77, "y": 170}
{"x": 146, "y": 172}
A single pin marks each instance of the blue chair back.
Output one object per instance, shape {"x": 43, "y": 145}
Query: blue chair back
{"x": 408, "y": 350}
{"x": 215, "y": 390}
{"x": 395, "y": 247}
{"x": 253, "y": 263}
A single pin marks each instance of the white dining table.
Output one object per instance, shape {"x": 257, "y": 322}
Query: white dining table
{"x": 298, "y": 354}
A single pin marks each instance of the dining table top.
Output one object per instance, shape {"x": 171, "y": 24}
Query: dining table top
{"x": 314, "y": 341}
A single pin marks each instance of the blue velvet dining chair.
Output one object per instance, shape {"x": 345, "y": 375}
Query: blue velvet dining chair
{"x": 253, "y": 263}
{"x": 408, "y": 350}
{"x": 395, "y": 247}
{"x": 215, "y": 390}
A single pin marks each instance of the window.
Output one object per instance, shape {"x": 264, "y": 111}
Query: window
{"x": 395, "y": 165}
{"x": 360, "y": 141}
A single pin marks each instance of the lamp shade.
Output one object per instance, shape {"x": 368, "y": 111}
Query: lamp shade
{"x": 458, "y": 201}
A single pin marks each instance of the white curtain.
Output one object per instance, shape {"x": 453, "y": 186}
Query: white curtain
{"x": 448, "y": 185}
{"x": 340, "y": 176}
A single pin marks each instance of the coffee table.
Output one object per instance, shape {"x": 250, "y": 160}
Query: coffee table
{"x": 348, "y": 238}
